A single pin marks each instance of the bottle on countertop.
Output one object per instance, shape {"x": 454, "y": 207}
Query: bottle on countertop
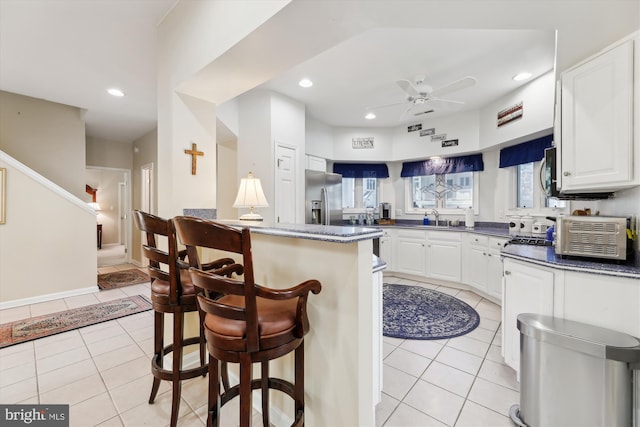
{"x": 469, "y": 219}
{"x": 425, "y": 220}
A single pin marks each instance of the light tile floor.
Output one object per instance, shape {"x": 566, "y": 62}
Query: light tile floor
{"x": 102, "y": 372}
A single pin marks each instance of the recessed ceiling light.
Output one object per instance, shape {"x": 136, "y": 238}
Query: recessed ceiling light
{"x": 370, "y": 116}
{"x": 305, "y": 83}
{"x": 521, "y": 76}
{"x": 114, "y": 91}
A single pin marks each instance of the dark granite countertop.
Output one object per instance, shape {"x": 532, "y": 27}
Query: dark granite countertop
{"x": 327, "y": 233}
{"x": 487, "y": 228}
{"x": 546, "y": 256}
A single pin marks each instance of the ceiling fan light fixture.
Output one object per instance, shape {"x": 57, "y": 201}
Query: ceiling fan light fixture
{"x": 370, "y": 116}
{"x": 522, "y": 76}
{"x": 305, "y": 82}
{"x": 114, "y": 91}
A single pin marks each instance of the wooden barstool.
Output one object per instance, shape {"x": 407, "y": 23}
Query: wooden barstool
{"x": 173, "y": 292}
{"x": 248, "y": 324}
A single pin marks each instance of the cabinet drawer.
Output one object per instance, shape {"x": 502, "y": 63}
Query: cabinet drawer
{"x": 444, "y": 236}
{"x": 478, "y": 240}
{"x": 497, "y": 242}
{"x": 411, "y": 234}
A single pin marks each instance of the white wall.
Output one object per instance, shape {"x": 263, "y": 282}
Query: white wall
{"x": 318, "y": 138}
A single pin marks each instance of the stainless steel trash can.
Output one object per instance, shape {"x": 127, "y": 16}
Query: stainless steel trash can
{"x": 574, "y": 374}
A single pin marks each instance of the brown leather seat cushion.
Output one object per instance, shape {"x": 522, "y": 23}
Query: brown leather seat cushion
{"x": 160, "y": 288}
{"x": 274, "y": 317}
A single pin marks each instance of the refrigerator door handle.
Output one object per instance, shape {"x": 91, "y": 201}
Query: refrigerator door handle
{"x": 324, "y": 201}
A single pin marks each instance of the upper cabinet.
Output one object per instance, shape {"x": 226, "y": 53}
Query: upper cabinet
{"x": 599, "y": 104}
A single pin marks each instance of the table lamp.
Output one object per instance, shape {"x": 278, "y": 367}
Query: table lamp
{"x": 250, "y": 195}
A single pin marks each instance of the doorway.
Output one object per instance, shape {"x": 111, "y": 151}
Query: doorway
{"x": 113, "y": 194}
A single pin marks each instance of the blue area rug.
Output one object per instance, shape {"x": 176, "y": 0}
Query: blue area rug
{"x": 414, "y": 312}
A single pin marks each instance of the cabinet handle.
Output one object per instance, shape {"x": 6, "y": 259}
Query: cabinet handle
{"x": 484, "y": 253}
{"x": 507, "y": 272}
{"x": 489, "y": 254}
{"x": 566, "y": 173}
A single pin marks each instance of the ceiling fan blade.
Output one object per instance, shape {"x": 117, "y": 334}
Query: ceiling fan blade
{"x": 448, "y": 101}
{"x": 406, "y": 112}
{"x": 424, "y": 112}
{"x": 408, "y": 88}
{"x": 463, "y": 83}
{"x": 377, "y": 107}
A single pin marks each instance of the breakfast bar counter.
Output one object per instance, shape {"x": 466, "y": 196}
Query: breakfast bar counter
{"x": 343, "y": 350}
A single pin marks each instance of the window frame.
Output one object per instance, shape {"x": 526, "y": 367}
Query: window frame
{"x": 359, "y": 193}
{"x": 410, "y": 210}
{"x": 539, "y": 197}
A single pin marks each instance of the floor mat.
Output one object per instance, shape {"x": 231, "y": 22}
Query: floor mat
{"x": 122, "y": 278}
{"x": 414, "y": 312}
{"x": 50, "y": 324}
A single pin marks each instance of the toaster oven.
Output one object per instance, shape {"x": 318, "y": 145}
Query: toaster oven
{"x": 592, "y": 236}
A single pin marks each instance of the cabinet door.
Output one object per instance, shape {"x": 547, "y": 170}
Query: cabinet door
{"x": 494, "y": 274}
{"x": 476, "y": 267}
{"x": 386, "y": 251}
{"x": 443, "y": 260}
{"x": 597, "y": 122}
{"x": 410, "y": 257}
{"x": 527, "y": 289}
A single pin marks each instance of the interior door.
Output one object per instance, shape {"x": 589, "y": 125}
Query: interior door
{"x": 285, "y": 209}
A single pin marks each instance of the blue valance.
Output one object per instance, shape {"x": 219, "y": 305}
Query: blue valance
{"x": 527, "y": 152}
{"x": 361, "y": 170}
{"x": 439, "y": 166}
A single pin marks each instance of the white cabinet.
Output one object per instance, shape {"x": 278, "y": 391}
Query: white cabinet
{"x": 482, "y": 266}
{"x": 528, "y": 288}
{"x": 443, "y": 255}
{"x": 605, "y": 301}
{"x": 597, "y": 140}
{"x": 410, "y": 254}
{"x": 316, "y": 163}
{"x": 386, "y": 248}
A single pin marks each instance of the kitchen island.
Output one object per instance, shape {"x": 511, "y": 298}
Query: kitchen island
{"x": 343, "y": 350}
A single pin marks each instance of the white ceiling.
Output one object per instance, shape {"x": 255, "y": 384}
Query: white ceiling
{"x": 70, "y": 51}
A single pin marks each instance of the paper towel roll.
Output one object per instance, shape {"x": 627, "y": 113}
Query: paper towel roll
{"x": 469, "y": 218}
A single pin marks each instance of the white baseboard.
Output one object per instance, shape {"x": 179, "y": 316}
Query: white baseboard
{"x": 276, "y": 417}
{"x": 48, "y": 297}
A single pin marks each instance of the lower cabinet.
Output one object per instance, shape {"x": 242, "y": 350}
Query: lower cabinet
{"x": 528, "y": 288}
{"x": 386, "y": 248}
{"x": 443, "y": 255}
{"x": 482, "y": 266}
{"x": 410, "y": 253}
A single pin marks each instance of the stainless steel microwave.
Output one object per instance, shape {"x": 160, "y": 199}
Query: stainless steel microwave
{"x": 549, "y": 182}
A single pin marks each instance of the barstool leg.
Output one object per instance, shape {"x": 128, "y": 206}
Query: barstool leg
{"x": 264, "y": 380}
{"x": 158, "y": 352}
{"x": 245, "y": 390}
{"x": 214, "y": 394}
{"x": 178, "y": 320}
{"x": 203, "y": 341}
{"x": 299, "y": 382}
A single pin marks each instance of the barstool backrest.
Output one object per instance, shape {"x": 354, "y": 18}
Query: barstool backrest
{"x": 194, "y": 233}
{"x": 162, "y": 263}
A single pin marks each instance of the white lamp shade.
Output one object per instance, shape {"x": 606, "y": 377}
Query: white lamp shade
{"x": 250, "y": 195}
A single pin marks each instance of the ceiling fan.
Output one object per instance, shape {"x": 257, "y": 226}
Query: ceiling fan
{"x": 422, "y": 98}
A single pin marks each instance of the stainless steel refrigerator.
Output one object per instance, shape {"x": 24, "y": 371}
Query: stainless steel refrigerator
{"x": 323, "y": 198}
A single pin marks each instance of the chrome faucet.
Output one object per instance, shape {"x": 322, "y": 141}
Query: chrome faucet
{"x": 437, "y": 215}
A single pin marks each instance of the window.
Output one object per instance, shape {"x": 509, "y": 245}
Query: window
{"x": 359, "y": 193}
{"x": 526, "y": 191}
{"x": 448, "y": 191}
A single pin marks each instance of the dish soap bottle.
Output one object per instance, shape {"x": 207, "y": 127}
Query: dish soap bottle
{"x": 425, "y": 220}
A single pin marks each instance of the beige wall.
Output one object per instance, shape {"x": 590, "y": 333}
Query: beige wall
{"x": 46, "y": 136}
{"x": 145, "y": 152}
{"x": 110, "y": 154}
{"x": 48, "y": 243}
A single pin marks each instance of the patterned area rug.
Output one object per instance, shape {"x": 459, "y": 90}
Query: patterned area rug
{"x": 418, "y": 313}
{"x": 50, "y": 324}
{"x": 122, "y": 278}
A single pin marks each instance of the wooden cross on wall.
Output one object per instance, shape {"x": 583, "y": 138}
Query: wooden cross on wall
{"x": 194, "y": 156}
